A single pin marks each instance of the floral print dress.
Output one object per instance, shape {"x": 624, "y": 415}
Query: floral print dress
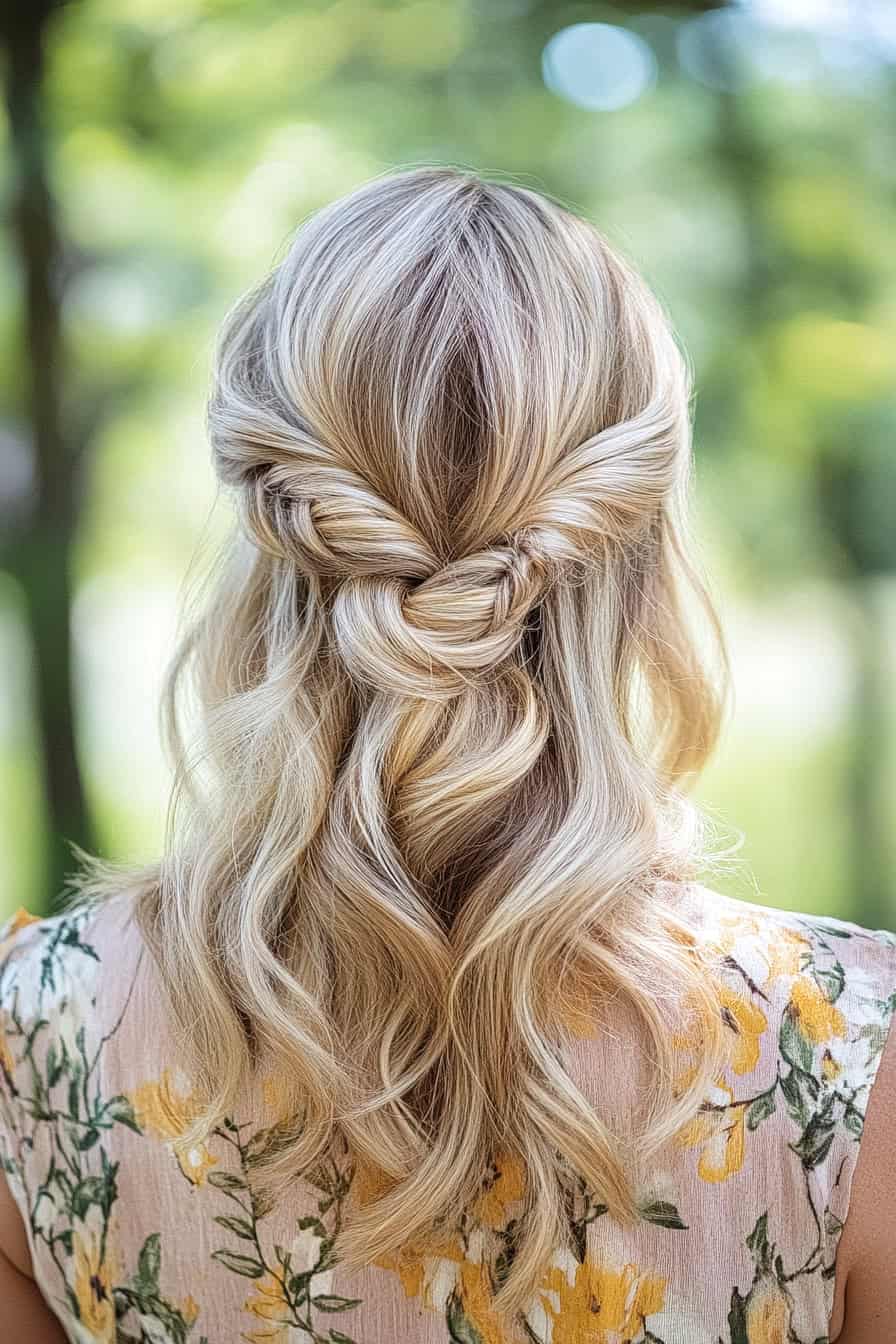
{"x": 738, "y": 1233}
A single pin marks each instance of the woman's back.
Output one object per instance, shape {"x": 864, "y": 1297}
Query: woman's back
{"x": 740, "y": 1224}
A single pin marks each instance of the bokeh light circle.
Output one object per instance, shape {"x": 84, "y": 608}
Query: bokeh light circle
{"x": 598, "y": 66}
{"x": 717, "y": 49}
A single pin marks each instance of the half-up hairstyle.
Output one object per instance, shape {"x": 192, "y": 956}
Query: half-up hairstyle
{"x": 455, "y": 681}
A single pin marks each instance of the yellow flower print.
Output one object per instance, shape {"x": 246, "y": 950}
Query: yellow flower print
{"x": 817, "y": 1017}
{"x": 785, "y": 953}
{"x": 690, "y": 1041}
{"x": 268, "y": 1302}
{"x": 20, "y": 920}
{"x": 166, "y": 1113}
{"x": 430, "y": 1274}
{"x": 409, "y": 1270}
{"x": 601, "y": 1304}
{"x": 275, "y": 1096}
{"x": 748, "y": 1022}
{"x": 732, "y": 930}
{"x": 369, "y": 1183}
{"x": 830, "y": 1068}
{"x": 493, "y": 1207}
{"x": 476, "y": 1295}
{"x": 189, "y": 1309}
{"x": 92, "y": 1283}
{"x": 719, "y": 1133}
{"x": 435, "y": 1274}
{"x": 578, "y": 1008}
{"x": 745, "y": 1020}
{"x": 7, "y": 1059}
{"x": 767, "y": 1313}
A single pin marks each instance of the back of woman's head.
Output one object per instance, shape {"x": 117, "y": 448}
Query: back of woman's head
{"x": 450, "y": 696}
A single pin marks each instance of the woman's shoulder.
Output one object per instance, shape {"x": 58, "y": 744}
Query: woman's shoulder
{"x": 66, "y": 981}
{"x": 63, "y": 959}
{"x": 792, "y": 937}
{"x": 811, "y": 998}
{"x": 824, "y": 990}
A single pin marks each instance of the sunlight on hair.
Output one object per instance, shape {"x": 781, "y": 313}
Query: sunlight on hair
{"x": 451, "y": 701}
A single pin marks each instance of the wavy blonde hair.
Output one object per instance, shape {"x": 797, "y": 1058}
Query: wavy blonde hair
{"x": 453, "y": 682}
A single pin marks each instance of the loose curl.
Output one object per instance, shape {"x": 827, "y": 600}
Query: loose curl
{"x": 451, "y": 699}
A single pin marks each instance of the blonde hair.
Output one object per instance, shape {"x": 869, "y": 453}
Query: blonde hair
{"x": 451, "y": 696}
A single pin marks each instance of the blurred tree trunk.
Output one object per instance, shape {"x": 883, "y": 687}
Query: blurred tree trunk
{"x": 40, "y": 558}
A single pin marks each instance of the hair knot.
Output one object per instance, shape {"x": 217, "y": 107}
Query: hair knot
{"x": 429, "y": 638}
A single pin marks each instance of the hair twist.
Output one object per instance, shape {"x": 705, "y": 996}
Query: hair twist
{"x": 300, "y": 503}
{"x": 429, "y": 639}
{"x": 402, "y": 621}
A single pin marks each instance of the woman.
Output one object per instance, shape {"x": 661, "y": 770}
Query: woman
{"x": 424, "y": 1029}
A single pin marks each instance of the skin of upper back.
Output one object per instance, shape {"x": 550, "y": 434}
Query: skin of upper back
{"x": 24, "y": 1317}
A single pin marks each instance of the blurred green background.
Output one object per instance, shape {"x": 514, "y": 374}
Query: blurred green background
{"x": 156, "y": 156}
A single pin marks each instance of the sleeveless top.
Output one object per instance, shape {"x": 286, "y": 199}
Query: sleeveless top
{"x": 738, "y": 1233}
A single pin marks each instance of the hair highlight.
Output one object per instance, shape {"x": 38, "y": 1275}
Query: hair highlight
{"x": 451, "y": 699}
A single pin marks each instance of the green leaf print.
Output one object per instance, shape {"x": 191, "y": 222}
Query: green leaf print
{"x": 120, "y": 1111}
{"x": 831, "y": 981}
{"x": 663, "y": 1214}
{"x": 758, "y": 1243}
{"x": 460, "y": 1329}
{"x": 853, "y": 1120}
{"x": 240, "y": 1227}
{"x": 792, "y": 1043}
{"x": 801, "y": 1091}
{"x": 149, "y": 1263}
{"x": 737, "y": 1319}
{"x": 875, "y": 1033}
{"x": 285, "y": 1276}
{"x": 815, "y": 1143}
{"x": 55, "y": 1065}
{"x": 761, "y": 1108}
{"x": 332, "y": 1302}
{"x": 225, "y": 1180}
{"x": 827, "y": 930}
{"x": 92, "y": 1190}
{"x": 71, "y": 1199}
{"x": 240, "y": 1264}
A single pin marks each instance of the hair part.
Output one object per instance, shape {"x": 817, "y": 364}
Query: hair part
{"x": 451, "y": 695}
